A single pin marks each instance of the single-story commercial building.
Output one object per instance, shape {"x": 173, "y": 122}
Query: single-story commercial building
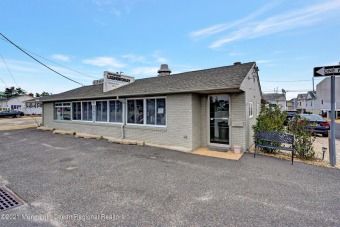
{"x": 213, "y": 108}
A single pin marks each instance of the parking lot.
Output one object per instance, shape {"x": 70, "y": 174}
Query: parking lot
{"x": 65, "y": 181}
{"x": 8, "y": 123}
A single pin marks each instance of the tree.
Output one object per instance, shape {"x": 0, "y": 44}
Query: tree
{"x": 37, "y": 95}
{"x": 9, "y": 92}
{"x": 270, "y": 119}
{"x": 20, "y": 91}
{"x": 44, "y": 93}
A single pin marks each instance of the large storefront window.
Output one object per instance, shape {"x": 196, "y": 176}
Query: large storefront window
{"x": 101, "y": 111}
{"x": 135, "y": 111}
{"x": 152, "y": 108}
{"x": 155, "y": 111}
{"x": 87, "y": 111}
{"x": 116, "y": 111}
{"x": 62, "y": 111}
{"x": 76, "y": 111}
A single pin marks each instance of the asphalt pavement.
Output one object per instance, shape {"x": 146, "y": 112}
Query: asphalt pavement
{"x": 66, "y": 181}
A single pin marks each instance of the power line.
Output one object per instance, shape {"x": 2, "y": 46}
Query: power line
{"x": 284, "y": 81}
{"x": 9, "y": 71}
{"x": 39, "y": 61}
{"x": 56, "y": 62}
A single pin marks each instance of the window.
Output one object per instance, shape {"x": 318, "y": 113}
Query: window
{"x": 321, "y": 101}
{"x": 135, "y": 114}
{"x": 87, "y": 111}
{"x": 153, "y": 110}
{"x": 101, "y": 111}
{"x": 76, "y": 111}
{"x": 116, "y": 111}
{"x": 250, "y": 109}
{"x": 62, "y": 111}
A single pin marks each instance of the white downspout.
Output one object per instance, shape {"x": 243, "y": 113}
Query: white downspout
{"x": 124, "y": 120}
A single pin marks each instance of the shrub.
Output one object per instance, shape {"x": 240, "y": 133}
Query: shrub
{"x": 270, "y": 119}
{"x": 304, "y": 139}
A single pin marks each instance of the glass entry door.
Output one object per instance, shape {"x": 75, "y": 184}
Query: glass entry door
{"x": 219, "y": 119}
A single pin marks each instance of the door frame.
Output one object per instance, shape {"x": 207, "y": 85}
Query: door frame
{"x": 208, "y": 122}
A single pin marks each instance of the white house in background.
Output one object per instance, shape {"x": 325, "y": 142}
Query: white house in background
{"x": 19, "y": 103}
{"x": 33, "y": 107}
{"x": 293, "y": 104}
{"x": 301, "y": 102}
{"x": 276, "y": 99}
{"x": 323, "y": 97}
{"x": 311, "y": 106}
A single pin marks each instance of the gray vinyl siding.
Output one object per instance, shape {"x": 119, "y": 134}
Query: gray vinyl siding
{"x": 251, "y": 87}
{"x": 178, "y": 132}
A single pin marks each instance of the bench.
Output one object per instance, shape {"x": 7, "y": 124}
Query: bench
{"x": 268, "y": 139}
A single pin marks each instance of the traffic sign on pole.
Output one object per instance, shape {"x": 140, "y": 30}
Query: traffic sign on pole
{"x": 331, "y": 71}
{"x": 327, "y": 71}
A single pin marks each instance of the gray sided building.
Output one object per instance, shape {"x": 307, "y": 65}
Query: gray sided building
{"x": 212, "y": 108}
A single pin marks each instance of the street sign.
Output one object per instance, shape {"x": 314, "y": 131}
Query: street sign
{"x": 327, "y": 71}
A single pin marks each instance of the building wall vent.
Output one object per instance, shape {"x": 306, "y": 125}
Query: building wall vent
{"x": 164, "y": 70}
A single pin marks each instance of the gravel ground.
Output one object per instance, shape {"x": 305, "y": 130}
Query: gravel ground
{"x": 323, "y": 142}
{"x": 67, "y": 181}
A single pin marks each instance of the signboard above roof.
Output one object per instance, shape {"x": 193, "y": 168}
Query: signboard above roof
{"x": 113, "y": 80}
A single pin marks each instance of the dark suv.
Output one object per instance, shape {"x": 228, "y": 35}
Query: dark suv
{"x": 290, "y": 115}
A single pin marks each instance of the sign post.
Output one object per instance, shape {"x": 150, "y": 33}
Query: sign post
{"x": 331, "y": 71}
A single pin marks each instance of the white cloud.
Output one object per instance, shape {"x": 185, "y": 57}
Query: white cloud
{"x": 135, "y": 58}
{"x": 281, "y": 22}
{"x": 222, "y": 27}
{"x": 158, "y": 58}
{"x": 145, "y": 71}
{"x": 61, "y": 57}
{"x": 104, "y": 61}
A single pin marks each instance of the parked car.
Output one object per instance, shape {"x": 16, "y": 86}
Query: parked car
{"x": 290, "y": 115}
{"x": 316, "y": 124}
{"x": 11, "y": 113}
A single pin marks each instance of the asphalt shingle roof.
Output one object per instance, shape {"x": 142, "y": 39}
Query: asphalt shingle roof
{"x": 227, "y": 77}
{"x": 274, "y": 97}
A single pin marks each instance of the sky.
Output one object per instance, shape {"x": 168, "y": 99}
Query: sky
{"x": 81, "y": 39}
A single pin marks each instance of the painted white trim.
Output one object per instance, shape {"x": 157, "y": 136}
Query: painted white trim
{"x": 208, "y": 124}
{"x": 144, "y": 98}
{"x": 251, "y": 107}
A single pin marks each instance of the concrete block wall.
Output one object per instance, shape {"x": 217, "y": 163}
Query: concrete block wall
{"x": 204, "y": 121}
{"x": 178, "y": 132}
{"x": 238, "y": 125}
{"x": 196, "y": 121}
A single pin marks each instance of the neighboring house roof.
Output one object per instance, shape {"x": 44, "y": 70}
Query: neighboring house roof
{"x": 301, "y": 96}
{"x": 221, "y": 78}
{"x": 274, "y": 97}
{"x": 311, "y": 95}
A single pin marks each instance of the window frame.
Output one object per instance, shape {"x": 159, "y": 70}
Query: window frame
{"x": 62, "y": 105}
{"x": 81, "y": 110}
{"x": 145, "y": 112}
{"x": 107, "y": 116}
{"x": 109, "y": 112}
{"x": 251, "y": 109}
{"x": 82, "y": 115}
